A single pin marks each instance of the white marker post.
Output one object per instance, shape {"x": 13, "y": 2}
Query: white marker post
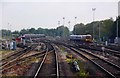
{"x": 103, "y": 50}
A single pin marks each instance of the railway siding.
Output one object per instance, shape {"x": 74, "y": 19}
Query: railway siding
{"x": 49, "y": 64}
{"x": 103, "y": 65}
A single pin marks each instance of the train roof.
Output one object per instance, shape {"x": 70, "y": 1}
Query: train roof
{"x": 79, "y": 35}
{"x": 34, "y": 34}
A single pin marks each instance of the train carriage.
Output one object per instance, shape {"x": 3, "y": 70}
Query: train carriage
{"x": 81, "y": 38}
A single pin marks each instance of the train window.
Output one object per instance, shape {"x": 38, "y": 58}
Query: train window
{"x": 88, "y": 37}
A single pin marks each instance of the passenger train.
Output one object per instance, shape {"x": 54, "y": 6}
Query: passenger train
{"x": 30, "y": 36}
{"x": 82, "y": 38}
{"x": 33, "y": 35}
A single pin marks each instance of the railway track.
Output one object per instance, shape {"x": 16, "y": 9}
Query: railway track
{"x": 106, "y": 56}
{"x": 17, "y": 53}
{"x": 115, "y": 48}
{"x": 114, "y": 52}
{"x": 109, "y": 55}
{"x": 98, "y": 48}
{"x": 23, "y": 60}
{"x": 15, "y": 57}
{"x": 111, "y": 69}
{"x": 26, "y": 56}
{"x": 49, "y": 64}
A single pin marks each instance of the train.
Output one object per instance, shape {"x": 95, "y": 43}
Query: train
{"x": 28, "y": 37}
{"x": 82, "y": 38}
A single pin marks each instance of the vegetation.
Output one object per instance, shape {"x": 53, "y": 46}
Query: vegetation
{"x": 82, "y": 73}
{"x": 107, "y": 29}
{"x": 59, "y": 31}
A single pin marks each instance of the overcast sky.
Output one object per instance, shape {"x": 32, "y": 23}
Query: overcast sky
{"x": 17, "y": 14}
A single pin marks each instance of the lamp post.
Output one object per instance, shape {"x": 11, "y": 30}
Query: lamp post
{"x": 63, "y": 26}
{"x": 117, "y": 31}
{"x": 7, "y": 33}
{"x": 10, "y": 32}
{"x": 75, "y": 24}
{"x": 58, "y": 23}
{"x": 75, "y": 20}
{"x": 100, "y": 32}
{"x": 93, "y": 9}
{"x": 63, "y": 21}
{"x": 69, "y": 24}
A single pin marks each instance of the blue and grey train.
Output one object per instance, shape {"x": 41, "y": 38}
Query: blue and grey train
{"x": 82, "y": 38}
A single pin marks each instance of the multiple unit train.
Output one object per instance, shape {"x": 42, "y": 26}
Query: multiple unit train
{"x": 27, "y": 36}
{"x": 78, "y": 38}
{"x": 30, "y": 36}
{"x": 82, "y": 38}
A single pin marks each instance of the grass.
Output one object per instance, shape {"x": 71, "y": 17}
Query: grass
{"x": 4, "y": 51}
{"x": 63, "y": 49}
{"x": 82, "y": 73}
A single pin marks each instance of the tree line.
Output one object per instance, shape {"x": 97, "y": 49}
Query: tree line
{"x": 62, "y": 31}
{"x": 103, "y": 30}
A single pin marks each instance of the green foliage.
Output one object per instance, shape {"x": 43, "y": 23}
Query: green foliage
{"x": 107, "y": 30}
{"x": 6, "y": 33}
{"x": 79, "y": 29}
{"x": 114, "y": 28}
{"x": 82, "y": 73}
{"x": 104, "y": 28}
{"x": 62, "y": 31}
{"x": 59, "y": 31}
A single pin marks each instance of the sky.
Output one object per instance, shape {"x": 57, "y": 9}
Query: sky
{"x": 19, "y": 14}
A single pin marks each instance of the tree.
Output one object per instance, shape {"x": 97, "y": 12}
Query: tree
{"x": 24, "y": 31}
{"x": 106, "y": 28}
{"x": 79, "y": 29}
{"x": 62, "y": 31}
{"x": 104, "y": 25}
{"x": 114, "y": 29}
{"x": 15, "y": 34}
{"x": 32, "y": 31}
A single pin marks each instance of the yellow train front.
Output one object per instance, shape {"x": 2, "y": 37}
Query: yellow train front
{"x": 88, "y": 38}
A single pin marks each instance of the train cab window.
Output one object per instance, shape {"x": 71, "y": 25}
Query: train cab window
{"x": 88, "y": 37}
